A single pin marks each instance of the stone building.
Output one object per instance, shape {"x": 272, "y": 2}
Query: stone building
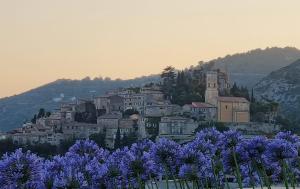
{"x": 80, "y": 130}
{"x": 203, "y": 111}
{"x": 212, "y": 91}
{"x": 233, "y": 109}
{"x": 109, "y": 103}
{"x": 179, "y": 129}
{"x": 126, "y": 127}
{"x": 223, "y": 83}
{"x": 161, "y": 109}
{"x": 109, "y": 120}
{"x": 153, "y": 93}
{"x": 35, "y": 134}
{"x": 135, "y": 102}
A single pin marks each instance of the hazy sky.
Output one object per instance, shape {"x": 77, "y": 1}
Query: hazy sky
{"x": 43, "y": 40}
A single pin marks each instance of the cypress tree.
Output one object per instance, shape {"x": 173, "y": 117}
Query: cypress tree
{"x": 118, "y": 139}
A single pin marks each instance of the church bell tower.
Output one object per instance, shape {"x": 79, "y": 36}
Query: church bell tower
{"x": 212, "y": 93}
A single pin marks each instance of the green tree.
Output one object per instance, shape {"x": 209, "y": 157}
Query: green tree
{"x": 129, "y": 139}
{"x": 252, "y": 96}
{"x": 168, "y": 77}
{"x": 65, "y": 145}
{"x": 240, "y": 91}
{"x": 99, "y": 138}
{"x": 48, "y": 114}
{"x": 118, "y": 142}
{"x": 33, "y": 120}
{"x": 7, "y": 145}
{"x": 41, "y": 113}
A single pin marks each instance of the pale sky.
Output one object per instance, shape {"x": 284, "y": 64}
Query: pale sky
{"x": 44, "y": 40}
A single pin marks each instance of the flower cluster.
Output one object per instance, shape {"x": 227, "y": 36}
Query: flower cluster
{"x": 211, "y": 160}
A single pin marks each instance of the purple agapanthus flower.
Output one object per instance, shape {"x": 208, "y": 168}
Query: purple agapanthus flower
{"x": 83, "y": 166}
{"x": 194, "y": 164}
{"x": 280, "y": 149}
{"x": 113, "y": 177}
{"x": 21, "y": 170}
{"x": 88, "y": 149}
{"x": 208, "y": 141}
{"x": 231, "y": 139}
{"x": 165, "y": 155}
{"x": 86, "y": 166}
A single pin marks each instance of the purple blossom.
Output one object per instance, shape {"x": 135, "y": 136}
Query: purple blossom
{"x": 288, "y": 136}
{"x": 113, "y": 177}
{"x": 82, "y": 167}
{"x": 208, "y": 141}
{"x": 280, "y": 149}
{"x": 231, "y": 139}
{"x": 165, "y": 155}
{"x": 194, "y": 164}
{"x": 256, "y": 147}
{"x": 87, "y": 166}
{"x": 88, "y": 149}
{"x": 21, "y": 170}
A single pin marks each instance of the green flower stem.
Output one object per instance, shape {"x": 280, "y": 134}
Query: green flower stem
{"x": 251, "y": 176}
{"x": 284, "y": 172}
{"x": 174, "y": 180}
{"x": 206, "y": 184}
{"x": 156, "y": 185}
{"x": 261, "y": 182}
{"x": 180, "y": 184}
{"x": 197, "y": 184}
{"x": 187, "y": 184}
{"x": 238, "y": 174}
{"x": 291, "y": 176}
{"x": 226, "y": 181}
{"x": 151, "y": 182}
{"x": 268, "y": 183}
{"x": 215, "y": 175}
{"x": 140, "y": 182}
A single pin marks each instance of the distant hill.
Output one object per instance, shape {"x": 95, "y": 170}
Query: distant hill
{"x": 283, "y": 86}
{"x": 16, "y": 109}
{"x": 245, "y": 69}
{"x": 249, "y": 68}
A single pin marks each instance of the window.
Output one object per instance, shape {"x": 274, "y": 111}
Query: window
{"x": 226, "y": 107}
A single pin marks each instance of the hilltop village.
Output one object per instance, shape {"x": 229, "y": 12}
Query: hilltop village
{"x": 144, "y": 112}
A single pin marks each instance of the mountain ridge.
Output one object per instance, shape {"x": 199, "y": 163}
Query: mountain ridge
{"x": 16, "y": 109}
{"x": 242, "y": 69}
{"x": 282, "y": 86}
{"x": 255, "y": 64}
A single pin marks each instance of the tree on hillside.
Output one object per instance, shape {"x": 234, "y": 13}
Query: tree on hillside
{"x": 168, "y": 77}
{"x": 99, "y": 138}
{"x": 48, "y": 114}
{"x": 41, "y": 113}
{"x": 252, "y": 96}
{"x": 118, "y": 142}
{"x": 33, "y": 120}
{"x": 184, "y": 87}
{"x": 237, "y": 91}
{"x": 129, "y": 139}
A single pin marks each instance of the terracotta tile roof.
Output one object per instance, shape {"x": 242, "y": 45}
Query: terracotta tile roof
{"x": 233, "y": 99}
{"x": 201, "y": 105}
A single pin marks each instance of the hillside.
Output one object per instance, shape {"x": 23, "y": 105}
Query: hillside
{"x": 283, "y": 86}
{"x": 16, "y": 109}
{"x": 244, "y": 68}
{"x": 249, "y": 68}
